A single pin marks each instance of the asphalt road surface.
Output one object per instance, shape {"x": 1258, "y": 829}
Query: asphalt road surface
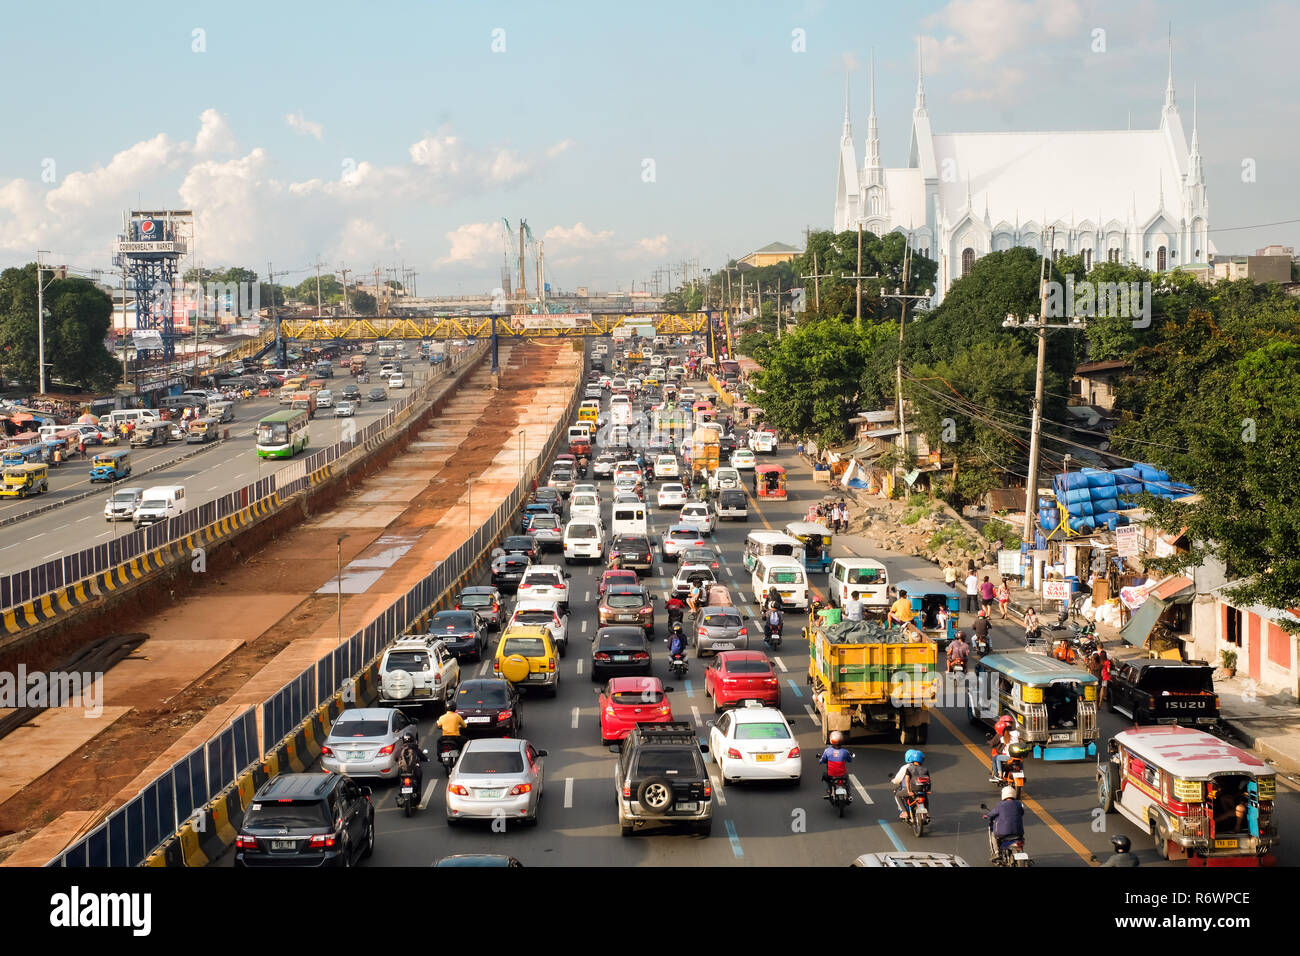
{"x": 220, "y": 469}
{"x": 764, "y": 825}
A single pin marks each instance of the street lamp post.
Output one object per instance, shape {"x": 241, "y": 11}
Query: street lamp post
{"x": 521, "y": 455}
{"x": 339, "y": 578}
{"x": 903, "y": 299}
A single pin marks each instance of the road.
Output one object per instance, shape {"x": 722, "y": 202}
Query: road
{"x": 779, "y": 825}
{"x": 219, "y": 470}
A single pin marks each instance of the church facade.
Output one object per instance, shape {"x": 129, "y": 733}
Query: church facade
{"x": 1130, "y": 196}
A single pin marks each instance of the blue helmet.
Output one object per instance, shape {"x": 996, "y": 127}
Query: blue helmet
{"x": 914, "y": 756}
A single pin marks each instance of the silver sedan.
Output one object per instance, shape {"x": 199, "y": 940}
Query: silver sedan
{"x": 365, "y": 742}
{"x": 496, "y": 777}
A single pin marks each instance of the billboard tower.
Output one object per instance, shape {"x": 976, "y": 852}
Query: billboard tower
{"x": 148, "y": 252}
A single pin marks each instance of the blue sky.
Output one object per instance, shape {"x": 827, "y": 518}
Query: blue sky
{"x": 411, "y": 137}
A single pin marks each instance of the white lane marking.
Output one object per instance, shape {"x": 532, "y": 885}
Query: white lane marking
{"x": 213, "y": 488}
{"x": 568, "y": 793}
{"x": 35, "y": 536}
{"x": 482, "y": 668}
{"x": 429, "y": 791}
{"x": 53, "y": 555}
{"x": 580, "y": 666}
{"x": 862, "y": 791}
{"x": 87, "y": 518}
{"x": 588, "y": 597}
{"x": 813, "y": 714}
{"x": 573, "y": 722}
{"x": 781, "y": 664}
{"x": 730, "y": 574}
{"x": 695, "y": 711}
{"x": 104, "y": 535}
{"x": 718, "y": 793}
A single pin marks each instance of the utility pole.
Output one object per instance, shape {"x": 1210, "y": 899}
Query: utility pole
{"x": 318, "y": 298}
{"x": 124, "y": 329}
{"x": 901, "y": 294}
{"x": 857, "y": 317}
{"x": 40, "y": 315}
{"x": 817, "y": 285}
{"x": 346, "y": 309}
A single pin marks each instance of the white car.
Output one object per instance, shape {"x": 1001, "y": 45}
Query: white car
{"x": 584, "y": 505}
{"x": 699, "y": 515}
{"x": 586, "y": 487}
{"x": 397, "y": 381}
{"x": 415, "y": 671}
{"x": 634, "y": 383}
{"x": 725, "y": 478}
{"x": 681, "y": 585}
{"x": 584, "y": 540}
{"x": 345, "y": 410}
{"x": 542, "y": 582}
{"x": 496, "y": 779}
{"x": 742, "y": 459}
{"x": 763, "y": 441}
{"x": 603, "y": 466}
{"x": 627, "y": 483}
{"x": 627, "y": 468}
{"x": 671, "y": 495}
{"x": 667, "y": 466}
{"x": 679, "y": 536}
{"x": 543, "y": 613}
{"x": 605, "y": 381}
{"x": 755, "y": 743}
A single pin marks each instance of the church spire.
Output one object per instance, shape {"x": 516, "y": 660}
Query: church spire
{"x": 875, "y": 175}
{"x": 920, "y": 81}
{"x": 1169, "y": 84}
{"x": 848, "y": 129}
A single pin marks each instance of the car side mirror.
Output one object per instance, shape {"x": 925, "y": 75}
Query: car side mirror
{"x": 567, "y": 574}
{"x": 541, "y": 753}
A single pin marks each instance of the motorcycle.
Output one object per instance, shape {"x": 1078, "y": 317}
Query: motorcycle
{"x": 980, "y": 644}
{"x": 677, "y": 662}
{"x": 918, "y": 806}
{"x": 448, "y": 752}
{"x": 1006, "y": 851}
{"x": 1013, "y": 768}
{"x": 772, "y": 632}
{"x": 838, "y": 793}
{"x": 408, "y": 794}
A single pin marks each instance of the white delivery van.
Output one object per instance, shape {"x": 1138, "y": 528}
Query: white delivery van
{"x": 584, "y": 539}
{"x": 786, "y": 575}
{"x": 579, "y": 432}
{"x": 133, "y": 415}
{"x": 158, "y": 504}
{"x": 584, "y": 504}
{"x": 629, "y": 518}
{"x": 863, "y": 575}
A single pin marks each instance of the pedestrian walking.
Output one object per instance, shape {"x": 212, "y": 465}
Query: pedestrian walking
{"x": 799, "y": 448}
{"x": 1105, "y": 676}
{"x": 950, "y": 574}
{"x": 1004, "y": 598}
{"x": 987, "y": 592}
{"x": 972, "y": 592}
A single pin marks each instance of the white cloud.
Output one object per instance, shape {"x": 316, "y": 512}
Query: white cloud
{"x": 473, "y": 242}
{"x": 558, "y": 148}
{"x": 652, "y": 247}
{"x": 579, "y": 236}
{"x": 363, "y": 240}
{"x": 300, "y": 124}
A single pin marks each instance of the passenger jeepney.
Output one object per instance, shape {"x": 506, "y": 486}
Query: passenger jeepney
{"x": 816, "y": 540}
{"x": 203, "y": 430}
{"x": 19, "y": 481}
{"x": 927, "y": 597}
{"x": 25, "y": 454}
{"x": 1199, "y": 798}
{"x": 1053, "y": 704}
{"x": 110, "y": 465}
{"x": 150, "y": 433}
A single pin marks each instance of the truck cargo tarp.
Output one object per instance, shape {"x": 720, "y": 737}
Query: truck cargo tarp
{"x": 862, "y": 632}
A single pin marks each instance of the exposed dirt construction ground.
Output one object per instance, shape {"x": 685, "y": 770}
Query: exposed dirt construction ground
{"x": 238, "y": 635}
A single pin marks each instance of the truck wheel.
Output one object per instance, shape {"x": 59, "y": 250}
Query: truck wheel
{"x": 1107, "y": 784}
{"x": 1160, "y": 837}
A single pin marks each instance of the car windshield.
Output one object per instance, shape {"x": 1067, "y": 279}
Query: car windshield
{"x": 150, "y": 503}
{"x": 583, "y": 501}
{"x": 582, "y": 531}
{"x": 671, "y": 489}
{"x": 290, "y": 814}
{"x": 483, "y": 695}
{"x": 546, "y": 523}
{"x": 721, "y": 620}
{"x": 749, "y": 667}
{"x": 527, "y": 646}
{"x": 787, "y": 577}
{"x": 515, "y": 563}
{"x": 637, "y": 697}
{"x": 445, "y": 619}
{"x": 534, "y": 617}
{"x": 476, "y": 600}
{"x": 407, "y": 660}
{"x": 548, "y": 578}
{"x": 490, "y": 762}
{"x": 361, "y": 727}
{"x": 689, "y": 534}
{"x": 655, "y": 762}
{"x": 623, "y": 599}
{"x": 124, "y": 496}
{"x": 763, "y": 731}
{"x": 519, "y": 543}
{"x": 1177, "y": 680}
{"x": 863, "y": 576}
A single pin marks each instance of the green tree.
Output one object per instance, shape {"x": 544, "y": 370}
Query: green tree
{"x": 362, "y": 303}
{"x": 77, "y": 321}
{"x": 306, "y": 290}
{"x": 836, "y": 255}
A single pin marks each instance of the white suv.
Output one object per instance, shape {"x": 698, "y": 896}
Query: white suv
{"x": 416, "y": 671}
{"x": 545, "y": 582}
{"x": 584, "y": 539}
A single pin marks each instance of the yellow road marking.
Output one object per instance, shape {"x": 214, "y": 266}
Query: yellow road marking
{"x": 982, "y": 756}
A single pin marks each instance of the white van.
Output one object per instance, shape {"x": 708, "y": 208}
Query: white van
{"x": 584, "y": 539}
{"x": 863, "y": 575}
{"x": 584, "y": 505}
{"x": 133, "y": 415}
{"x": 629, "y": 518}
{"x": 760, "y": 544}
{"x": 786, "y": 575}
{"x": 158, "y": 504}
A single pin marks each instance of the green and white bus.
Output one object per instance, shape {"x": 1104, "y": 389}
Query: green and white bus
{"x": 282, "y": 434}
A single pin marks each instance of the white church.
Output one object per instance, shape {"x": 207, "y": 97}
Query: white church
{"x": 1135, "y": 195}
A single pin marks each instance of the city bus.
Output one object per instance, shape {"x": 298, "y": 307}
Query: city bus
{"x": 282, "y": 434}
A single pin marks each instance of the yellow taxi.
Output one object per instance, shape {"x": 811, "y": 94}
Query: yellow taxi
{"x": 527, "y": 657}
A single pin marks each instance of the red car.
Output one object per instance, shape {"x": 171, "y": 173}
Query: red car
{"x": 736, "y": 676}
{"x": 616, "y": 577}
{"x": 628, "y": 701}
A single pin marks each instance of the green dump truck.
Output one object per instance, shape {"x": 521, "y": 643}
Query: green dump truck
{"x": 868, "y": 679}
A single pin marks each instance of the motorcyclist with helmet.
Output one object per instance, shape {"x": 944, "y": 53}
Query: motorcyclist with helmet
{"x": 1006, "y": 820}
{"x": 837, "y": 758}
{"x": 958, "y": 652}
{"x": 677, "y": 640}
{"x": 1123, "y": 855}
{"x": 910, "y": 780}
{"x": 452, "y": 726}
{"x": 409, "y": 758}
{"x": 1006, "y": 736}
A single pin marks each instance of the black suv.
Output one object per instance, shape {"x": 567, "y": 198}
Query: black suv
{"x": 307, "y": 819}
{"x": 633, "y": 552}
{"x": 660, "y": 779}
{"x": 1164, "y": 692}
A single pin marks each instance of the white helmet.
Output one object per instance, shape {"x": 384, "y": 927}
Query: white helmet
{"x": 837, "y": 738}
{"x": 1008, "y": 793}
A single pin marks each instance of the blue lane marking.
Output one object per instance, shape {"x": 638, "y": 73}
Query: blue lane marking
{"x": 735, "y": 841}
{"x": 722, "y": 558}
{"x": 889, "y": 832}
{"x": 689, "y": 691}
{"x": 794, "y": 687}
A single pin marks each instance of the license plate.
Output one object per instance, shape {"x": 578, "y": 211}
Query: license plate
{"x": 765, "y": 758}
{"x": 422, "y": 692}
{"x": 284, "y": 844}
{"x": 622, "y": 657}
{"x": 357, "y": 755}
{"x": 1225, "y": 844}
{"x": 625, "y": 617}
{"x": 408, "y": 790}
{"x": 478, "y": 720}
{"x": 723, "y": 646}
{"x": 1060, "y": 736}
{"x": 786, "y": 594}
{"x": 1019, "y": 778}
{"x": 689, "y": 807}
{"x": 537, "y": 677}
{"x": 489, "y": 794}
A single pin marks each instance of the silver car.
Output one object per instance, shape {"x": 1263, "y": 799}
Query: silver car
{"x": 496, "y": 777}
{"x": 365, "y": 742}
{"x": 719, "y": 629}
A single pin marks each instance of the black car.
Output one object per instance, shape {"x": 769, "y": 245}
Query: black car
{"x": 489, "y": 707}
{"x": 351, "y": 392}
{"x": 377, "y": 395}
{"x": 633, "y": 552}
{"x": 661, "y": 779}
{"x": 461, "y": 632}
{"x": 307, "y": 819}
{"x": 507, "y": 570}
{"x": 1164, "y": 692}
{"x": 619, "y": 650}
{"x": 519, "y": 544}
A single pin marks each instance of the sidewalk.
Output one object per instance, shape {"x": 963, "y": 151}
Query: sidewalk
{"x": 1269, "y": 725}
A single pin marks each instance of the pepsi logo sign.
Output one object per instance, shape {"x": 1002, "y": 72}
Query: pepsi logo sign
{"x": 147, "y": 227}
